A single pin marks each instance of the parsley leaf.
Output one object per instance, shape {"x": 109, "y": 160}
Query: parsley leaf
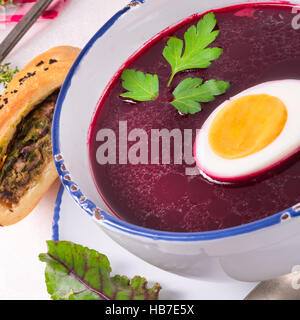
{"x": 196, "y": 55}
{"x": 140, "y": 86}
{"x": 191, "y": 91}
{"x": 4, "y": 2}
{"x": 74, "y": 272}
{"x": 7, "y": 73}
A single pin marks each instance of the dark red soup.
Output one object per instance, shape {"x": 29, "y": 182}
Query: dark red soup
{"x": 259, "y": 44}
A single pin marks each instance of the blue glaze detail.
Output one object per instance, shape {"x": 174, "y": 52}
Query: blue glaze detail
{"x": 89, "y": 207}
{"x": 56, "y": 216}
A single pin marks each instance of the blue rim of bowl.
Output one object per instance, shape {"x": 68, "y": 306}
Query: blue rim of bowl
{"x": 56, "y": 215}
{"x": 90, "y": 208}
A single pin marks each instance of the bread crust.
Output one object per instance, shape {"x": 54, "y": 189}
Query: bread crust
{"x": 31, "y": 198}
{"x": 31, "y": 86}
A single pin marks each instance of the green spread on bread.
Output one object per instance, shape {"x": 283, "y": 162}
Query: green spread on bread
{"x": 28, "y": 153}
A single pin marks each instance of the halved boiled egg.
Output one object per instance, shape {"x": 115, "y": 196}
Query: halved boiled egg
{"x": 250, "y": 133}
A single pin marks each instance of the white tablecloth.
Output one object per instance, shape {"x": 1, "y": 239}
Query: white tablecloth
{"x": 21, "y": 272}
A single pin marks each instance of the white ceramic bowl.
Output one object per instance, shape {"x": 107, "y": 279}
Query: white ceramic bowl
{"x": 252, "y": 252}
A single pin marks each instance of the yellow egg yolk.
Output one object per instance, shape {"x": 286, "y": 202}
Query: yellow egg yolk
{"x": 247, "y": 125}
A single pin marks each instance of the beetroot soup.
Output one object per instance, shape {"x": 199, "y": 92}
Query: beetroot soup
{"x": 260, "y": 43}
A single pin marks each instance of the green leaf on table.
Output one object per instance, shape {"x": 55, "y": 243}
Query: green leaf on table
{"x": 74, "y": 272}
{"x": 140, "y": 86}
{"x": 191, "y": 91}
{"x": 196, "y": 54}
{"x": 4, "y": 2}
{"x": 7, "y": 72}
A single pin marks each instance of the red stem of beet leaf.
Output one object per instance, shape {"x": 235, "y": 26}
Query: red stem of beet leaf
{"x": 70, "y": 271}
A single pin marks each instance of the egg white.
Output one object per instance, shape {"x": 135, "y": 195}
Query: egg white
{"x": 284, "y": 146}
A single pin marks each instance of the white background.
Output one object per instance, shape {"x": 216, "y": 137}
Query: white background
{"x": 21, "y": 272}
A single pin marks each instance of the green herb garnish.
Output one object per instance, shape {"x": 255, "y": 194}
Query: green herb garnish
{"x": 192, "y": 53}
{"x": 4, "y": 2}
{"x": 7, "y": 73}
{"x": 191, "y": 91}
{"x": 140, "y": 86}
{"x": 74, "y": 272}
{"x": 196, "y": 54}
